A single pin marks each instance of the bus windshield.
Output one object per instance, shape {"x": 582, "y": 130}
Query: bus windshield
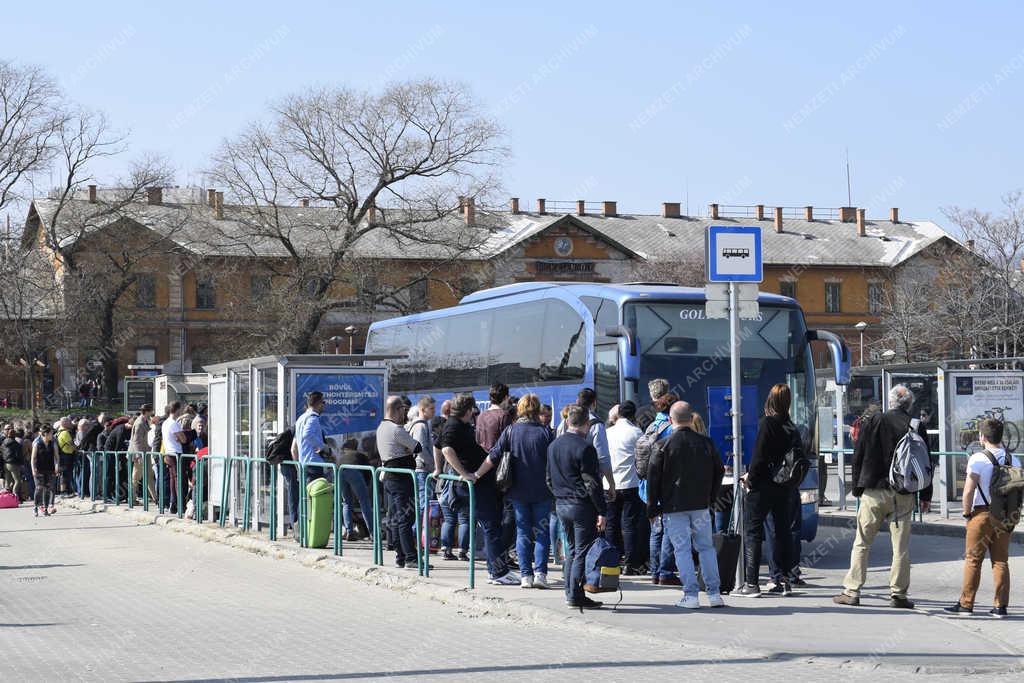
{"x": 677, "y": 342}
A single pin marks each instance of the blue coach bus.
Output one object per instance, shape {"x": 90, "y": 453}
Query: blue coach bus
{"x": 553, "y": 339}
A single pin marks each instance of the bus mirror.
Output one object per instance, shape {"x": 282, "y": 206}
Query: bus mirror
{"x": 623, "y": 332}
{"x": 840, "y": 353}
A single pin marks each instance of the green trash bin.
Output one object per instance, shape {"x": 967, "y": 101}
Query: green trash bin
{"x": 321, "y": 512}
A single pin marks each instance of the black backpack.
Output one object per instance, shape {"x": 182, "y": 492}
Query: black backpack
{"x": 280, "y": 448}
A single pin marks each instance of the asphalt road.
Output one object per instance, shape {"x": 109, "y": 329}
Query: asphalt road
{"x": 94, "y": 597}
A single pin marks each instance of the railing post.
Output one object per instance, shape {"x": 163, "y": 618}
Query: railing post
{"x": 225, "y": 488}
{"x": 338, "y": 498}
{"x": 131, "y": 482}
{"x": 160, "y": 482}
{"x": 943, "y": 486}
{"x": 273, "y": 502}
{"x": 117, "y": 479}
{"x": 177, "y": 480}
{"x": 841, "y": 460}
{"x": 146, "y": 474}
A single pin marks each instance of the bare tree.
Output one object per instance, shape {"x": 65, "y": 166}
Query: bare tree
{"x": 31, "y": 117}
{"x": 29, "y": 297}
{"x": 687, "y": 271}
{"x": 999, "y": 241}
{"x": 377, "y": 172}
{"x": 905, "y": 310}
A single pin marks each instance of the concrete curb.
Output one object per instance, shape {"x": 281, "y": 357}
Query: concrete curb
{"x": 918, "y": 528}
{"x": 473, "y": 604}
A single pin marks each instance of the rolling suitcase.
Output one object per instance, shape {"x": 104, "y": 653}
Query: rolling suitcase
{"x": 728, "y": 548}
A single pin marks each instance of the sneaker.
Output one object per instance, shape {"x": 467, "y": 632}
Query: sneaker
{"x": 540, "y": 581}
{"x": 586, "y": 603}
{"x": 689, "y": 602}
{"x": 53, "y": 509}
{"x": 900, "y": 602}
{"x": 670, "y": 581}
{"x": 958, "y": 609}
{"x": 464, "y": 556}
{"x": 787, "y": 589}
{"x": 36, "y": 510}
{"x": 509, "y": 579}
{"x": 46, "y": 513}
{"x": 526, "y": 582}
{"x": 448, "y": 555}
{"x": 656, "y": 580}
{"x": 998, "y": 612}
{"x": 633, "y": 571}
{"x": 844, "y": 599}
{"x": 775, "y": 588}
{"x": 798, "y": 582}
{"x": 716, "y": 600}
{"x": 747, "y": 591}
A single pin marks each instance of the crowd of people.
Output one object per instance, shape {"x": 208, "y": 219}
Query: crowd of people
{"x": 649, "y": 480}
{"x": 43, "y": 461}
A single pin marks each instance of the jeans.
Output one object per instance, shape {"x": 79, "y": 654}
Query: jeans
{"x": 83, "y": 472}
{"x": 401, "y": 518}
{"x": 580, "y": 523}
{"x": 663, "y": 561}
{"x": 532, "y": 520}
{"x": 627, "y": 513}
{"x": 453, "y": 516}
{"x": 353, "y": 484}
{"x": 424, "y": 494}
{"x": 291, "y": 493}
{"x": 771, "y": 535}
{"x": 693, "y": 528}
{"x": 767, "y": 499}
{"x": 488, "y": 514}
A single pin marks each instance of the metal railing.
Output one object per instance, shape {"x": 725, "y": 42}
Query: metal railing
{"x": 472, "y": 523}
{"x": 100, "y": 463}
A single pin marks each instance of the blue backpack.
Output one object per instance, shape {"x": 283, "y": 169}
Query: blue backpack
{"x": 602, "y": 568}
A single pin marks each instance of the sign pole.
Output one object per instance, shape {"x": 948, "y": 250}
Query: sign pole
{"x": 736, "y": 392}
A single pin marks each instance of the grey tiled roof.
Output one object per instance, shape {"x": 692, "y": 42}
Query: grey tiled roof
{"x": 820, "y": 242}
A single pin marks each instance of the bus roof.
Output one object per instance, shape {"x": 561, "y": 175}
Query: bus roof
{"x": 619, "y": 293}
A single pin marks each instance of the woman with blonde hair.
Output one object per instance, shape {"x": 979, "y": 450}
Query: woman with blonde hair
{"x": 526, "y": 441}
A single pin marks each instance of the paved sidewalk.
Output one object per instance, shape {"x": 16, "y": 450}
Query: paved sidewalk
{"x": 806, "y": 627}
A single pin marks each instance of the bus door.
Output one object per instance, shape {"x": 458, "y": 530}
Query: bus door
{"x": 606, "y": 377}
{"x": 720, "y": 423}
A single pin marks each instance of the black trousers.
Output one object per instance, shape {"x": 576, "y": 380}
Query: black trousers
{"x": 579, "y": 519}
{"x": 774, "y": 500}
{"x": 627, "y": 516}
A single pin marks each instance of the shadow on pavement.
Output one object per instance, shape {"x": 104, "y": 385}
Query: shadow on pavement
{"x": 37, "y": 566}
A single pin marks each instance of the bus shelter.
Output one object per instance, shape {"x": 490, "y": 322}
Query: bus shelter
{"x": 252, "y": 400}
{"x": 950, "y": 398}
{"x": 188, "y": 388}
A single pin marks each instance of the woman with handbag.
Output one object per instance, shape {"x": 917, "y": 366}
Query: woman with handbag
{"x": 768, "y": 484}
{"x": 521, "y": 458}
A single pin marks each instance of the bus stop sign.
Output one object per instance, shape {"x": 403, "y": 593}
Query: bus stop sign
{"x": 733, "y": 254}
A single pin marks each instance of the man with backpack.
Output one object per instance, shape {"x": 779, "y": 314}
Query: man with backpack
{"x": 886, "y": 440}
{"x": 991, "y": 509}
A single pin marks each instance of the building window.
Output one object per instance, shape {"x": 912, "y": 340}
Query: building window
{"x": 145, "y": 291}
{"x": 787, "y": 288}
{"x": 874, "y": 299}
{"x": 260, "y": 286}
{"x": 832, "y": 297}
{"x": 145, "y": 355}
{"x": 206, "y": 296}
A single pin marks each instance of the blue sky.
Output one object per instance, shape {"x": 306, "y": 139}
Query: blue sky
{"x": 739, "y": 103}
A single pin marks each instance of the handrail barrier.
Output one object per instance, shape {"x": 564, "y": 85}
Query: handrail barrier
{"x": 304, "y": 498}
{"x": 375, "y": 535}
{"x": 421, "y": 559}
{"x": 472, "y": 523}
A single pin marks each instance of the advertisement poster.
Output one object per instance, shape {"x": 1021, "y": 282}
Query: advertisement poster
{"x": 975, "y": 396}
{"x": 354, "y": 401}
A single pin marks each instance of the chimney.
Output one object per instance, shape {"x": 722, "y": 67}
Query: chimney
{"x": 778, "y": 219}
{"x": 861, "y": 229}
{"x": 92, "y": 194}
{"x": 609, "y": 210}
{"x": 847, "y": 214}
{"x": 760, "y": 211}
{"x": 515, "y": 206}
{"x": 469, "y": 211}
{"x": 713, "y": 210}
{"x": 1022, "y": 265}
{"x": 670, "y": 209}
{"x": 155, "y": 195}
{"x": 809, "y": 213}
{"x": 304, "y": 203}
{"x": 581, "y": 208}
{"x": 218, "y": 205}
{"x": 970, "y": 245}
{"x": 894, "y": 214}
{"x": 540, "y": 207}
{"x": 371, "y": 214}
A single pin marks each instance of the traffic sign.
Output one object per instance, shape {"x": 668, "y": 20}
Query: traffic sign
{"x": 719, "y": 291}
{"x": 733, "y": 254}
{"x": 749, "y": 310}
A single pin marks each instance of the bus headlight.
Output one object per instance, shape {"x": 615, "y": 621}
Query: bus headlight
{"x": 809, "y": 496}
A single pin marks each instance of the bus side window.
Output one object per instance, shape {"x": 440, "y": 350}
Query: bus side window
{"x": 563, "y": 350}
{"x": 606, "y": 377}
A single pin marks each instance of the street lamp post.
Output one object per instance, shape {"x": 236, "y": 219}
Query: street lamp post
{"x": 860, "y": 327}
{"x": 336, "y": 340}
{"x": 351, "y": 332}
{"x": 888, "y": 355}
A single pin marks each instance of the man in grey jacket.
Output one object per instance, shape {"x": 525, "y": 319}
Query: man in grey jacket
{"x": 420, "y": 419}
